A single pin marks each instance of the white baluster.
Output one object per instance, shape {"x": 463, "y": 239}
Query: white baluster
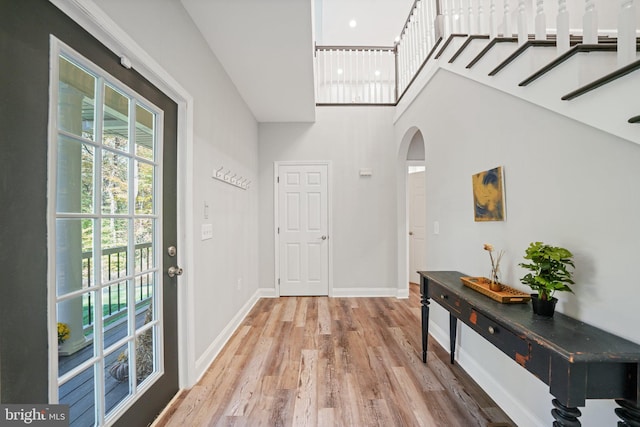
{"x": 562, "y": 27}
{"x": 344, "y": 76}
{"x": 407, "y": 48}
{"x": 590, "y": 23}
{"x": 391, "y": 78}
{"x": 317, "y": 70}
{"x": 493, "y": 22}
{"x": 446, "y": 13}
{"x": 378, "y": 75}
{"x": 424, "y": 25}
{"x": 481, "y": 26}
{"x": 325, "y": 74}
{"x": 350, "y": 97}
{"x": 414, "y": 42}
{"x": 469, "y": 20}
{"x": 406, "y": 53}
{"x": 541, "y": 21}
{"x": 432, "y": 26}
{"x": 361, "y": 78}
{"x": 462, "y": 25}
{"x": 410, "y": 49}
{"x": 436, "y": 20}
{"x": 418, "y": 36}
{"x": 523, "y": 33}
{"x": 368, "y": 97}
{"x": 331, "y": 84}
{"x": 507, "y": 19}
{"x": 626, "y": 32}
{"x": 400, "y": 75}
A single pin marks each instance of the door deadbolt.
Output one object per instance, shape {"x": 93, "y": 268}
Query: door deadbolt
{"x": 172, "y": 251}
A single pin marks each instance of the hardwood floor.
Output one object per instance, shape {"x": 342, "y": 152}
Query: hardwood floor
{"x": 318, "y": 361}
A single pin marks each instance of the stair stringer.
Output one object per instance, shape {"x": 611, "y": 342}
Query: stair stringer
{"x": 607, "y": 108}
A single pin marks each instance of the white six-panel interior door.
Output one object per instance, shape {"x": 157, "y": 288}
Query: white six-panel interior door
{"x": 302, "y": 232}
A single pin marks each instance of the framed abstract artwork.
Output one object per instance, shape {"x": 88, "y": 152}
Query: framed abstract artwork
{"x": 488, "y": 195}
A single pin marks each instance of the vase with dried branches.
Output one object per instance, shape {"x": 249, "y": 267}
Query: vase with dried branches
{"x": 494, "y": 282}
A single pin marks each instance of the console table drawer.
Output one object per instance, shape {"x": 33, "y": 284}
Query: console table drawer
{"x": 445, "y": 298}
{"x": 507, "y": 341}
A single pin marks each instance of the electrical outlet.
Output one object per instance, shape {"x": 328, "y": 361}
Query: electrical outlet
{"x": 206, "y": 231}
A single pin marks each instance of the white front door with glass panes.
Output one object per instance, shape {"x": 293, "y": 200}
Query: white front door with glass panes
{"x": 107, "y": 297}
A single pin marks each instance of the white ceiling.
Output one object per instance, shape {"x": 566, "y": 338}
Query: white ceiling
{"x": 267, "y": 46}
{"x": 379, "y": 22}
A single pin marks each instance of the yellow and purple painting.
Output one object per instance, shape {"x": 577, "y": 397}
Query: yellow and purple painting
{"x": 488, "y": 195}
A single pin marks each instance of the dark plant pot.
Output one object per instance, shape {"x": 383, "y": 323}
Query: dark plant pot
{"x": 542, "y": 307}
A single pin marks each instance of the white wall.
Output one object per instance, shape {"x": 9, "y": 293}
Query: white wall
{"x": 363, "y": 215}
{"x": 566, "y": 184}
{"x": 224, "y": 273}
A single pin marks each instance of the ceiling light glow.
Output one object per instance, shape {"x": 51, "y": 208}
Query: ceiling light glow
{"x": 377, "y": 72}
{"x": 340, "y": 71}
{"x": 353, "y": 23}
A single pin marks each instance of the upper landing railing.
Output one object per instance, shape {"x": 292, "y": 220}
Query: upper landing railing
{"x": 381, "y": 75}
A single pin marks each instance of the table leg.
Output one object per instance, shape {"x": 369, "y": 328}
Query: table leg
{"x": 565, "y": 416}
{"x": 628, "y": 413}
{"x": 425, "y": 325}
{"x": 453, "y": 330}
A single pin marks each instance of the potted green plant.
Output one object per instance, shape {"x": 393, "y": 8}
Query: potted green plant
{"x": 549, "y": 272}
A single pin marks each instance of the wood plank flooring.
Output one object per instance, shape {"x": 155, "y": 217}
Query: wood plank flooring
{"x": 317, "y": 361}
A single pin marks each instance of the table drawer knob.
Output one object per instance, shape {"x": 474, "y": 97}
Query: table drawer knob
{"x": 443, "y": 296}
{"x": 492, "y": 330}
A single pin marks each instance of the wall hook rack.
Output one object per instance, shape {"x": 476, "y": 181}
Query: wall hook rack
{"x": 231, "y": 179}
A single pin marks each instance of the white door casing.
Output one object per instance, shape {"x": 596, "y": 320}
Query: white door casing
{"x": 417, "y": 225}
{"x": 302, "y": 228}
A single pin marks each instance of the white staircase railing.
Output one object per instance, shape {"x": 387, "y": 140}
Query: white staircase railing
{"x": 374, "y": 75}
{"x": 355, "y": 75}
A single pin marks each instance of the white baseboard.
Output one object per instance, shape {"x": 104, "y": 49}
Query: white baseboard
{"x": 513, "y": 408}
{"x": 209, "y": 355}
{"x": 402, "y": 293}
{"x": 267, "y": 293}
{"x": 364, "y": 292}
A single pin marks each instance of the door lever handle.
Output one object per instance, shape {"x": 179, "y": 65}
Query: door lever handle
{"x": 174, "y": 271}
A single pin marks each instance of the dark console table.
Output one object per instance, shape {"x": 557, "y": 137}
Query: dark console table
{"x": 577, "y": 361}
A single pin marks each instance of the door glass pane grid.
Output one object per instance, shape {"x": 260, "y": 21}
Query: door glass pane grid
{"x": 75, "y": 269}
{"x": 146, "y": 360}
{"x": 143, "y": 188}
{"x": 115, "y": 132}
{"x": 117, "y": 224}
{"x": 80, "y": 394}
{"x": 75, "y": 346}
{"x": 74, "y": 187}
{"x": 145, "y": 132}
{"x": 117, "y": 369}
{"x": 76, "y": 91}
{"x": 115, "y": 182}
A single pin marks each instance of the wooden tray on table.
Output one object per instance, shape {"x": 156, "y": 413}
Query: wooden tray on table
{"x": 507, "y": 295}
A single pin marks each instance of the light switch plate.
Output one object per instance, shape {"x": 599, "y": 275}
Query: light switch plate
{"x": 206, "y": 231}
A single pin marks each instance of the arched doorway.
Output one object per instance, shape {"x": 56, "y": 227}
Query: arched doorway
{"x": 411, "y": 208}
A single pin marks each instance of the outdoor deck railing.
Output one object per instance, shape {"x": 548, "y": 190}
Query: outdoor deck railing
{"x": 354, "y": 75}
{"x": 114, "y": 266}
